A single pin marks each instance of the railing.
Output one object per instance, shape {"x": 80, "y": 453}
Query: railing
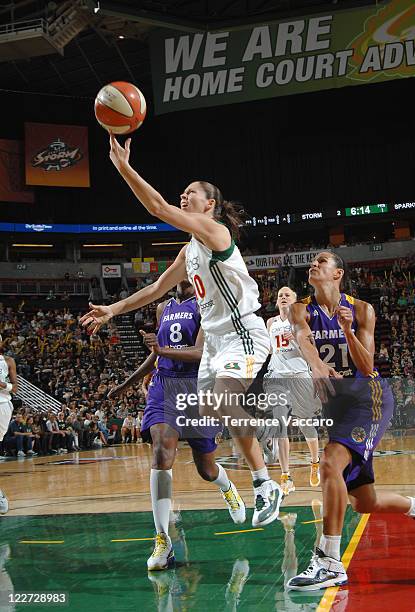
{"x": 25, "y": 26}
{"x": 36, "y": 398}
{"x": 44, "y": 287}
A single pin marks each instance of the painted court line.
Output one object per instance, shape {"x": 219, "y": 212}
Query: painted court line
{"x": 240, "y": 531}
{"x": 313, "y": 521}
{"x": 133, "y": 540}
{"x": 41, "y": 541}
{"x": 330, "y": 593}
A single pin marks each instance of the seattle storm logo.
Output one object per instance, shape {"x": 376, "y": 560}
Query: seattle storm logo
{"x": 57, "y": 156}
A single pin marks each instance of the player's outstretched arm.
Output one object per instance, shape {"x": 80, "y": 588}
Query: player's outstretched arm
{"x": 215, "y": 236}
{"x": 361, "y": 345}
{"x": 145, "y": 368}
{"x": 99, "y": 315}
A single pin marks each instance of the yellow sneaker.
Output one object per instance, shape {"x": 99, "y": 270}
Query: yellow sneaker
{"x": 287, "y": 484}
{"x": 315, "y": 474}
{"x": 235, "y": 503}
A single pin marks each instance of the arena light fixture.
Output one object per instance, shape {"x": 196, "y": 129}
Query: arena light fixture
{"x": 94, "y": 246}
{"x": 167, "y": 243}
{"x": 36, "y": 246}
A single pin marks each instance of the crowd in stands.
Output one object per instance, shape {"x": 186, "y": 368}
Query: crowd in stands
{"x": 55, "y": 353}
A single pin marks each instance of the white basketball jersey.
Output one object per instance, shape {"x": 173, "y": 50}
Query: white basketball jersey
{"x": 4, "y": 378}
{"x": 286, "y": 358}
{"x": 225, "y": 292}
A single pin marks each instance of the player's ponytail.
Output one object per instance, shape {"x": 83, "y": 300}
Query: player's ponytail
{"x": 229, "y": 213}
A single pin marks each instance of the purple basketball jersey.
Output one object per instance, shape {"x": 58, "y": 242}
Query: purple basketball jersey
{"x": 329, "y": 337}
{"x": 179, "y": 326}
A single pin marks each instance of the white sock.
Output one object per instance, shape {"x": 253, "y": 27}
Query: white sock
{"x": 160, "y": 488}
{"x": 411, "y": 511}
{"x": 261, "y": 474}
{"x": 330, "y": 545}
{"x": 222, "y": 481}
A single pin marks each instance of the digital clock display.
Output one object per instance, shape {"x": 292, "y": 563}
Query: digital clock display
{"x": 366, "y": 209}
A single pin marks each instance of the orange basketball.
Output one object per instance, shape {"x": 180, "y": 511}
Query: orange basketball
{"x": 120, "y": 107}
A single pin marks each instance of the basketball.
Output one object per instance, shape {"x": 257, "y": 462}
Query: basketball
{"x": 120, "y": 107}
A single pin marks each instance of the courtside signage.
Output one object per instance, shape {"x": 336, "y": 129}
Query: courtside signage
{"x": 334, "y": 49}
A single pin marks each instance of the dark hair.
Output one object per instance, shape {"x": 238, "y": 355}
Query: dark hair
{"x": 230, "y": 213}
{"x": 340, "y": 263}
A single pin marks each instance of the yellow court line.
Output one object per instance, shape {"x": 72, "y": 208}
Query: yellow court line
{"x": 41, "y": 541}
{"x": 330, "y": 593}
{"x": 133, "y": 540}
{"x": 313, "y": 521}
{"x": 241, "y": 531}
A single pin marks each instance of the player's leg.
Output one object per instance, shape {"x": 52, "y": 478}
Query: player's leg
{"x": 6, "y": 410}
{"x": 268, "y": 495}
{"x": 305, "y": 406}
{"x": 213, "y": 472}
{"x": 326, "y": 569}
{"x": 366, "y": 499}
{"x": 164, "y": 451}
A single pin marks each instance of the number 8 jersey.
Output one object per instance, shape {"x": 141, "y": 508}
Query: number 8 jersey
{"x": 226, "y": 294}
{"x": 179, "y": 326}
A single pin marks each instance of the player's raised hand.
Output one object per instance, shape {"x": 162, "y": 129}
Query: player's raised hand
{"x": 150, "y": 340}
{"x": 119, "y": 155}
{"x": 97, "y": 316}
{"x": 344, "y": 318}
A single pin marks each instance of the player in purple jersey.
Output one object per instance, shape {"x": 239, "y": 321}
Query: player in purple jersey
{"x": 335, "y": 333}
{"x": 176, "y": 353}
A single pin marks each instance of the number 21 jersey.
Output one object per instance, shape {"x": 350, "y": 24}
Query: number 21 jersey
{"x": 329, "y": 337}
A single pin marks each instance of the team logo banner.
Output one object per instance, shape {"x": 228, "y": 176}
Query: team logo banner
{"x": 57, "y": 155}
{"x": 364, "y": 45}
{"x": 12, "y": 180}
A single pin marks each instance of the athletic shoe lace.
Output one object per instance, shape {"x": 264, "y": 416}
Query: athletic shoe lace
{"x": 161, "y": 545}
{"x": 311, "y": 568}
{"x": 231, "y": 499}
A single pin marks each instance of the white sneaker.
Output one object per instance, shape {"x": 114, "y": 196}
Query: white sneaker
{"x": 271, "y": 451}
{"x": 162, "y": 556}
{"x": 21, "y": 454}
{"x": 268, "y": 497}
{"x": 235, "y": 503}
{"x": 31, "y": 453}
{"x": 4, "y": 503}
{"x": 322, "y": 572}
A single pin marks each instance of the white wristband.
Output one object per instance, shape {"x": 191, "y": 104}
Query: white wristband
{"x": 9, "y": 387}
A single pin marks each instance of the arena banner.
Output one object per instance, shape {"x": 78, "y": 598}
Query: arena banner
{"x": 12, "y": 178}
{"x": 300, "y": 55}
{"x": 280, "y": 260}
{"x": 57, "y": 155}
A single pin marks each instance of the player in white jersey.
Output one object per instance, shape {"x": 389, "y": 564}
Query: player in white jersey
{"x": 8, "y": 385}
{"x": 236, "y": 341}
{"x": 288, "y": 377}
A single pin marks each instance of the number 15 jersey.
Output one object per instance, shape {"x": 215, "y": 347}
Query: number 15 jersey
{"x": 286, "y": 358}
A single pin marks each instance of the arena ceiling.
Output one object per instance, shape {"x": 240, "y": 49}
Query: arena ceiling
{"x": 112, "y": 43}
